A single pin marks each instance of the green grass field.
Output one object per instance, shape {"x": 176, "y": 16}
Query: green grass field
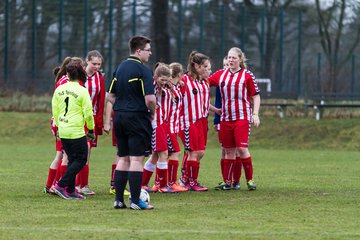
{"x": 307, "y": 174}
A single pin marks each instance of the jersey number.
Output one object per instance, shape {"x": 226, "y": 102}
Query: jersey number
{"x": 67, "y": 105}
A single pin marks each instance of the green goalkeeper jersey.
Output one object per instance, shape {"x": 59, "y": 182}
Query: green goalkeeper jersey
{"x": 72, "y": 108}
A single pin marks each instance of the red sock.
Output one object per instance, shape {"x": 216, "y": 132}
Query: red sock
{"x": 113, "y": 167}
{"x": 51, "y": 177}
{"x": 146, "y": 177}
{"x": 62, "y": 170}
{"x": 172, "y": 171}
{"x": 85, "y": 176}
{"x": 78, "y": 179}
{"x": 248, "y": 168}
{"x": 183, "y": 167}
{"x": 58, "y": 171}
{"x": 161, "y": 176}
{"x": 237, "y": 170}
{"x": 192, "y": 170}
{"x": 222, "y": 166}
{"x": 228, "y": 170}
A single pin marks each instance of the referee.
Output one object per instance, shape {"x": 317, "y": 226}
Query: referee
{"x": 132, "y": 94}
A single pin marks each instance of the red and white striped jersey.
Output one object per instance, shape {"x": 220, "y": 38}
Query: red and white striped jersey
{"x": 236, "y": 91}
{"x": 192, "y": 101}
{"x": 205, "y": 97}
{"x": 96, "y": 87}
{"x": 175, "y": 107}
{"x": 163, "y": 102}
{"x": 64, "y": 79}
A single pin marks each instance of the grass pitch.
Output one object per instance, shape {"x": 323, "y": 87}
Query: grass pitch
{"x": 302, "y": 194}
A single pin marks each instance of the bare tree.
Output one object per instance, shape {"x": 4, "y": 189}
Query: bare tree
{"x": 332, "y": 31}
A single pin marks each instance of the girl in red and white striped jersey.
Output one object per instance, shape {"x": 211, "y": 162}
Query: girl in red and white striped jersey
{"x": 193, "y": 136}
{"x": 160, "y": 136}
{"x": 96, "y": 87}
{"x": 237, "y": 87}
{"x": 177, "y": 73}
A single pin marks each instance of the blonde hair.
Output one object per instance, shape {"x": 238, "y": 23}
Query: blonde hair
{"x": 162, "y": 69}
{"x": 241, "y": 55}
{"x": 176, "y": 68}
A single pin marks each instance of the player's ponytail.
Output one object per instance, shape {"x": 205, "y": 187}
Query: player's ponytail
{"x": 195, "y": 58}
{"x": 62, "y": 70}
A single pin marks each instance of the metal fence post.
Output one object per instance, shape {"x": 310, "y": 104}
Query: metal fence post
{"x": 222, "y": 29}
{"x": 201, "y": 25}
{"x": 86, "y": 10}
{"x": 180, "y": 30}
{"x": 6, "y": 42}
{"x": 352, "y": 73}
{"x": 110, "y": 39}
{"x": 299, "y": 90}
{"x": 281, "y": 47}
{"x": 134, "y": 18}
{"x": 33, "y": 39}
{"x": 61, "y": 19}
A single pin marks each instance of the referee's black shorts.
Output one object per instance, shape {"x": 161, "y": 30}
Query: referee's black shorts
{"x": 133, "y": 132}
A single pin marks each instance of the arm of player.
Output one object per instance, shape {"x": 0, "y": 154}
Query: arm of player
{"x": 150, "y": 102}
{"x": 110, "y": 97}
{"x": 108, "y": 111}
{"x": 256, "y": 107}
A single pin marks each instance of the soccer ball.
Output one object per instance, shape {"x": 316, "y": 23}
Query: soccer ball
{"x": 144, "y": 196}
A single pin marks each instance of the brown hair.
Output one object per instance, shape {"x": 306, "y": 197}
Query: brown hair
{"x": 176, "y": 68}
{"x": 138, "y": 42}
{"x": 75, "y": 69}
{"x": 94, "y": 53}
{"x": 241, "y": 55}
{"x": 195, "y": 58}
{"x": 62, "y": 71}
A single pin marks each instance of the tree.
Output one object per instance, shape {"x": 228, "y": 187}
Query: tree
{"x": 334, "y": 34}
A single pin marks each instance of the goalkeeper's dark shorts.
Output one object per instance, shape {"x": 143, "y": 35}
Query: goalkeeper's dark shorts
{"x": 133, "y": 132}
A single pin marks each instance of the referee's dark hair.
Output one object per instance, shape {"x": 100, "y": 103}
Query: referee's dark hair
{"x": 138, "y": 42}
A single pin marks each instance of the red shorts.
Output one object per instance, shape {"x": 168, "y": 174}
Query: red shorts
{"x": 160, "y": 137}
{"x": 173, "y": 144}
{"x": 193, "y": 137}
{"x": 235, "y": 133}
{"x": 205, "y": 128}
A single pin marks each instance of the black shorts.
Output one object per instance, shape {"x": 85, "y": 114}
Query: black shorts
{"x": 133, "y": 132}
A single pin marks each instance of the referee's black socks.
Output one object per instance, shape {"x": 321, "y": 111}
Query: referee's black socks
{"x": 120, "y": 180}
{"x": 135, "y": 179}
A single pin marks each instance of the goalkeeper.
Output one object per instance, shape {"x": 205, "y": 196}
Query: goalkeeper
{"x": 72, "y": 109}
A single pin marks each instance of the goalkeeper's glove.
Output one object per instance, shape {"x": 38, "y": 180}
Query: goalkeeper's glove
{"x": 91, "y": 135}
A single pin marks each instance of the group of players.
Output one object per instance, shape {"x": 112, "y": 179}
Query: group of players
{"x": 182, "y": 110}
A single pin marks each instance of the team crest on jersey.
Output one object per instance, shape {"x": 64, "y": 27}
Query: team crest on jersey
{"x": 163, "y": 94}
{"x": 222, "y": 84}
{"x": 176, "y": 99}
{"x": 195, "y": 91}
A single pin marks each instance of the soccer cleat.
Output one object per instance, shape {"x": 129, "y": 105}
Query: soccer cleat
{"x": 236, "y": 186}
{"x": 60, "y": 191}
{"x": 251, "y": 185}
{"x": 76, "y": 195}
{"x": 47, "y": 190}
{"x": 197, "y": 187}
{"x": 86, "y": 190}
{"x": 155, "y": 188}
{"x": 141, "y": 206}
{"x": 167, "y": 189}
{"x": 112, "y": 190}
{"x": 223, "y": 186}
{"x": 177, "y": 188}
{"x": 126, "y": 192}
{"x": 119, "y": 205}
